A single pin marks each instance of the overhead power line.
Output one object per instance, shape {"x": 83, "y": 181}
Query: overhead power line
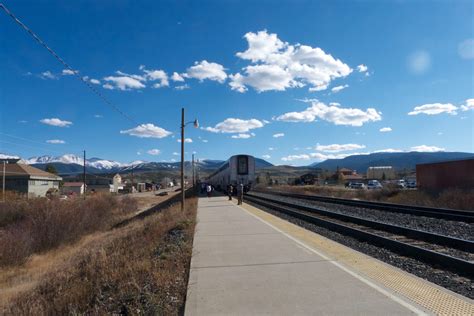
{"x": 66, "y": 65}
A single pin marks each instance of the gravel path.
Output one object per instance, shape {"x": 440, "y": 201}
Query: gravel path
{"x": 446, "y": 279}
{"x": 433, "y": 225}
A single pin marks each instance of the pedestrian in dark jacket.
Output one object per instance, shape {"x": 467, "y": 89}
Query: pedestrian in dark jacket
{"x": 230, "y": 190}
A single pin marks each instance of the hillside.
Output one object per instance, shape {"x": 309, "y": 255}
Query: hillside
{"x": 401, "y": 160}
{"x": 70, "y": 165}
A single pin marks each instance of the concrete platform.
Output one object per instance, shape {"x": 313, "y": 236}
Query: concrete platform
{"x": 243, "y": 265}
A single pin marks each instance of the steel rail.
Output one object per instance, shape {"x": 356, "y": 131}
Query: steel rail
{"x": 456, "y": 265}
{"x": 441, "y": 213}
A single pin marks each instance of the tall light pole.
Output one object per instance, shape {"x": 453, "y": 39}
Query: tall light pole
{"x": 3, "y": 182}
{"x": 194, "y": 182}
{"x": 183, "y": 125}
{"x": 84, "y": 175}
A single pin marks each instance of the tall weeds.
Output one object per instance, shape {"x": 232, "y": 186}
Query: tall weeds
{"x": 141, "y": 268}
{"x": 36, "y": 225}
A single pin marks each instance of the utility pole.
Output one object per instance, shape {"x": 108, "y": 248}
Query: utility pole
{"x": 84, "y": 174}
{"x": 194, "y": 181}
{"x": 3, "y": 186}
{"x": 132, "y": 178}
{"x": 182, "y": 160}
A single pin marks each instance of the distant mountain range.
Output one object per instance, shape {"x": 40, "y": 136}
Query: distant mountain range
{"x": 72, "y": 164}
{"x": 400, "y": 160}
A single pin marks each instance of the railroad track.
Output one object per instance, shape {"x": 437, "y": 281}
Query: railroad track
{"x": 449, "y": 253}
{"x": 441, "y": 213}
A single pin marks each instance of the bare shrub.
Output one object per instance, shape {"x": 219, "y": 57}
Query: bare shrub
{"x": 128, "y": 204}
{"x": 457, "y": 199}
{"x": 141, "y": 268}
{"x": 41, "y": 224}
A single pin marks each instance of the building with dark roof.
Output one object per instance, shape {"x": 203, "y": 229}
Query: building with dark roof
{"x": 28, "y": 180}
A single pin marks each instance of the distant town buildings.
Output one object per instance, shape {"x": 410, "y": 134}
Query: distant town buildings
{"x": 345, "y": 174}
{"x": 73, "y": 188}
{"x": 28, "y": 180}
{"x": 446, "y": 174}
{"x": 381, "y": 173}
{"x": 116, "y": 184}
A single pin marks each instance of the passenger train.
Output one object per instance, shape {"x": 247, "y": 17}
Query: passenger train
{"x": 238, "y": 169}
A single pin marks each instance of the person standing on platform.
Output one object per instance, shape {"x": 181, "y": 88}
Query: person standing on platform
{"x": 230, "y": 190}
{"x": 209, "y": 190}
{"x": 240, "y": 194}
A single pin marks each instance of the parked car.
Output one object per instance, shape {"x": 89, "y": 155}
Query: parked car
{"x": 401, "y": 184}
{"x": 374, "y": 185}
{"x": 411, "y": 184}
{"x": 356, "y": 185}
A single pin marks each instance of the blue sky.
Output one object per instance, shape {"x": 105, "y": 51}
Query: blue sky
{"x": 328, "y": 75}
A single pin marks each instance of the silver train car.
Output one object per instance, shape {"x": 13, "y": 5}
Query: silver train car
{"x": 238, "y": 169}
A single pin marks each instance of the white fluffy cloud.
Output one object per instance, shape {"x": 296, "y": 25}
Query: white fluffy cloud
{"x": 157, "y": 75}
{"x": 321, "y": 156}
{"x": 468, "y": 106}
{"x": 466, "y": 48}
{"x": 56, "y": 122}
{"x": 147, "y": 131}
{"x": 177, "y": 77}
{"x": 425, "y": 148}
{"x": 123, "y": 83}
{"x": 434, "y": 108}
{"x": 48, "y": 75}
{"x": 205, "y": 70}
{"x": 68, "y": 72}
{"x": 55, "y": 141}
{"x": 339, "y": 88}
{"x": 186, "y": 140}
{"x": 385, "y": 129}
{"x": 277, "y": 65}
{"x": 234, "y": 125}
{"x": 277, "y": 135}
{"x": 243, "y": 135}
{"x": 388, "y": 150}
{"x": 338, "y": 147}
{"x": 332, "y": 113}
{"x": 182, "y": 87}
{"x": 296, "y": 157}
{"x": 95, "y": 81}
{"x": 262, "y": 78}
{"x": 154, "y": 152}
{"x": 266, "y": 156}
{"x": 362, "y": 68}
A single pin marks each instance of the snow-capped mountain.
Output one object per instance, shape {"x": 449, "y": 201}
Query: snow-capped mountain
{"x": 68, "y": 158}
{"x": 103, "y": 164}
{"x": 71, "y": 164}
{"x": 5, "y": 156}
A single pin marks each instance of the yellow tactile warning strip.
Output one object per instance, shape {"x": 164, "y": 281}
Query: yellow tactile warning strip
{"x": 427, "y": 295}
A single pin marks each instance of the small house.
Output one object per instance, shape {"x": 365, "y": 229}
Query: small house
{"x": 73, "y": 188}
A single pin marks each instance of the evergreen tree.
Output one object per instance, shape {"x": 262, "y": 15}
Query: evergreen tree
{"x": 51, "y": 169}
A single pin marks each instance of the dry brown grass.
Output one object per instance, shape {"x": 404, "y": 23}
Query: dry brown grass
{"x": 450, "y": 198}
{"x": 37, "y": 225}
{"x": 140, "y": 268}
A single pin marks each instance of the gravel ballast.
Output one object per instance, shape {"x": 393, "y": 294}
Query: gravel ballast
{"x": 446, "y": 279}
{"x": 456, "y": 229}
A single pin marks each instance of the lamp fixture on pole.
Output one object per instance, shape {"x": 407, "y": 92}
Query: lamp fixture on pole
{"x": 183, "y": 125}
